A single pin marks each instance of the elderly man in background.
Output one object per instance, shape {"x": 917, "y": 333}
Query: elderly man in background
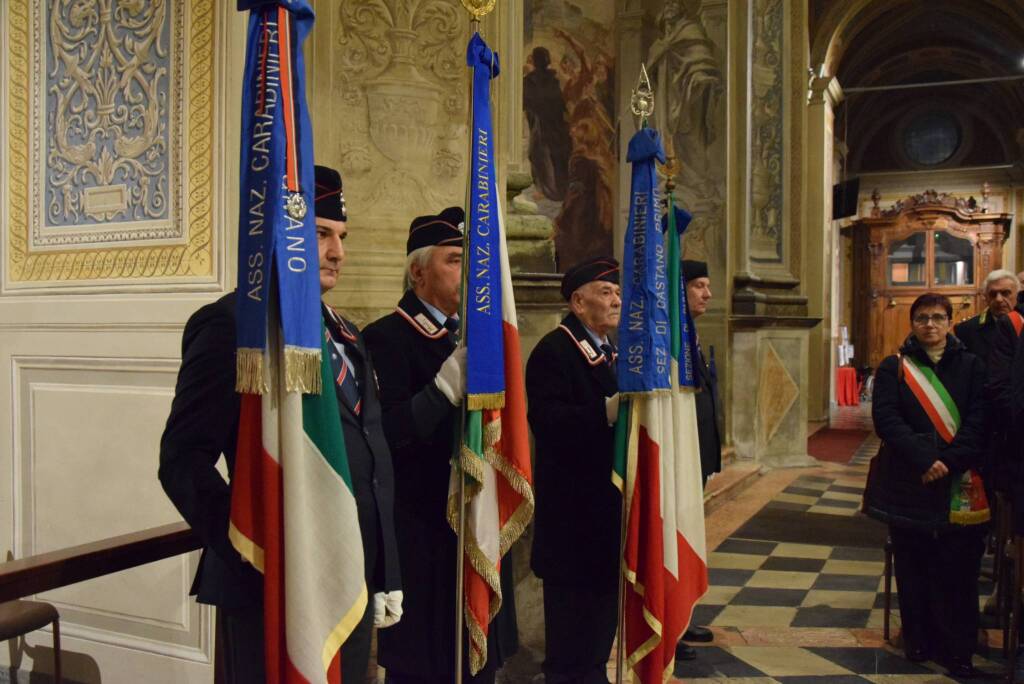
{"x": 1000, "y": 292}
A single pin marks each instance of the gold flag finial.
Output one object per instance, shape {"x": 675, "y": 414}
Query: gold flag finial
{"x": 642, "y": 101}
{"x": 479, "y": 8}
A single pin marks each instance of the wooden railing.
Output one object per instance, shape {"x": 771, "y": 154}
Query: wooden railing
{"x": 27, "y": 576}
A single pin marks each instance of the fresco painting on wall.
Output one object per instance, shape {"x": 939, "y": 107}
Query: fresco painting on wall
{"x": 568, "y": 100}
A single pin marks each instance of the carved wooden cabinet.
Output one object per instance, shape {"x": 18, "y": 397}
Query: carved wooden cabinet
{"x": 927, "y": 243}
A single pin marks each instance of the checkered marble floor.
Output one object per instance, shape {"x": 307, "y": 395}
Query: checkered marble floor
{"x": 785, "y": 612}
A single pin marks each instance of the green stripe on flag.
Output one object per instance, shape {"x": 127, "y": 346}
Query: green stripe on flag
{"x": 621, "y": 445}
{"x": 940, "y": 389}
{"x": 321, "y": 421}
{"x": 674, "y": 267}
{"x": 474, "y": 436}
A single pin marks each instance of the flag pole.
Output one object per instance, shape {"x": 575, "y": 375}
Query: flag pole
{"x": 477, "y": 10}
{"x": 642, "y": 105}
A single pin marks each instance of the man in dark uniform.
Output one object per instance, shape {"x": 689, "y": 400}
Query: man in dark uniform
{"x": 422, "y": 384}
{"x": 698, "y": 296}
{"x": 573, "y": 400}
{"x": 203, "y": 424}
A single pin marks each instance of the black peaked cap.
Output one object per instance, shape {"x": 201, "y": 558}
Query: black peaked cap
{"x": 444, "y": 229}
{"x": 329, "y": 201}
{"x": 598, "y": 268}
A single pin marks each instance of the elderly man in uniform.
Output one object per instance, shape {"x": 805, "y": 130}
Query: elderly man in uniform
{"x": 573, "y": 401}
{"x": 422, "y": 383}
{"x": 203, "y": 424}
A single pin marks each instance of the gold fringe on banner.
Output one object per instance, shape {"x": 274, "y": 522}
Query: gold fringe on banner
{"x": 302, "y": 370}
{"x": 479, "y": 402}
{"x": 249, "y": 378}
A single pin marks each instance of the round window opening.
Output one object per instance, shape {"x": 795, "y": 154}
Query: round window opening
{"x": 932, "y": 138}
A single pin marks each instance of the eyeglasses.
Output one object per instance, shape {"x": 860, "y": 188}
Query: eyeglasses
{"x": 935, "y": 319}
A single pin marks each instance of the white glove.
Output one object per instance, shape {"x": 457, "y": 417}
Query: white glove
{"x": 451, "y": 379}
{"x": 387, "y": 608}
{"x": 611, "y": 408}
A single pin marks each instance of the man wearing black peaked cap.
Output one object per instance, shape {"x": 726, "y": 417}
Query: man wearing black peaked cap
{"x": 698, "y": 296}
{"x": 203, "y": 424}
{"x": 573, "y": 400}
{"x": 422, "y": 384}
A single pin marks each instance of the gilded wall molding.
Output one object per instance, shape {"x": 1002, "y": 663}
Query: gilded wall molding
{"x": 154, "y": 217}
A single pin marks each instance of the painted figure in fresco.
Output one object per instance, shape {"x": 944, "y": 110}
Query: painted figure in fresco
{"x": 687, "y": 79}
{"x": 549, "y": 144}
{"x": 583, "y": 227}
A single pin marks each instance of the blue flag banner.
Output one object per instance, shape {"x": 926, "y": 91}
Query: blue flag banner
{"x": 644, "y": 330}
{"x": 277, "y": 246}
{"x": 485, "y": 381}
{"x": 684, "y": 332}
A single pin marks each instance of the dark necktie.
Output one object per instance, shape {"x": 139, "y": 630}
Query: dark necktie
{"x": 609, "y": 355}
{"x": 346, "y": 386}
{"x": 451, "y": 324}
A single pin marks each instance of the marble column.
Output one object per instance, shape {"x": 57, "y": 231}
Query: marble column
{"x": 818, "y": 235}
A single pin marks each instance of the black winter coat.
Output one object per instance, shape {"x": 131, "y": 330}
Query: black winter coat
{"x": 203, "y": 424}
{"x": 408, "y": 348}
{"x": 912, "y": 442}
{"x": 708, "y": 411}
{"x": 578, "y": 509}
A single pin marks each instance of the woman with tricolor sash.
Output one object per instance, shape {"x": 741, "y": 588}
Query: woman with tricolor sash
{"x": 928, "y": 409}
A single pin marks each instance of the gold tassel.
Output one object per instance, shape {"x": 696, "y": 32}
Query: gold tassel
{"x": 478, "y": 402}
{"x": 249, "y": 371}
{"x": 302, "y": 370}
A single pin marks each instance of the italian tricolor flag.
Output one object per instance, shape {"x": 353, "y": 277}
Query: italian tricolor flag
{"x": 499, "y": 491}
{"x": 658, "y": 469}
{"x": 293, "y": 516}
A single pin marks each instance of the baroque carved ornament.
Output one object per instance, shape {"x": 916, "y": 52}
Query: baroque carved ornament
{"x": 402, "y": 64}
{"x": 107, "y": 93}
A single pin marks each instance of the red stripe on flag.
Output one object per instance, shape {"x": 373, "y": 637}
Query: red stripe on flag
{"x": 657, "y": 596}
{"x": 288, "y": 103}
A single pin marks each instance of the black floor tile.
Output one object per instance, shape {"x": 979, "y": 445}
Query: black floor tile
{"x": 756, "y": 548}
{"x": 793, "y": 564}
{"x": 802, "y": 491}
{"x": 814, "y": 478}
{"x": 846, "y": 582}
{"x": 714, "y": 662}
{"x": 728, "y": 577}
{"x": 854, "y": 553}
{"x": 705, "y": 614}
{"x": 762, "y": 596}
{"x": 824, "y": 616}
{"x": 880, "y": 600}
{"x": 822, "y": 679}
{"x": 846, "y": 489}
{"x": 838, "y": 503}
{"x": 868, "y": 661}
{"x": 788, "y": 506}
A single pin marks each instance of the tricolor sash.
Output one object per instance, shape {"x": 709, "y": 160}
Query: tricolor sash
{"x": 933, "y": 397}
{"x": 1017, "y": 321}
{"x": 968, "y": 504}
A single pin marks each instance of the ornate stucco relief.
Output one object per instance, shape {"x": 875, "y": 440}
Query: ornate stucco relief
{"x": 689, "y": 86}
{"x": 767, "y": 75}
{"x": 108, "y": 72}
{"x": 402, "y": 108}
{"x": 110, "y": 119}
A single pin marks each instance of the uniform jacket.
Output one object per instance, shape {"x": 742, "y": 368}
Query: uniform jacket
{"x": 911, "y": 440}
{"x": 708, "y": 411}
{"x": 408, "y": 348}
{"x": 578, "y": 509}
{"x": 203, "y": 424}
